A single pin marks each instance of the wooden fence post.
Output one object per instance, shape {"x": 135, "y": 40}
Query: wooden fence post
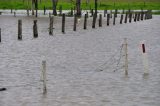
{"x": 130, "y": 17}
{"x": 51, "y": 26}
{"x": 11, "y": 10}
{"x": 123, "y": 11}
{"x": 27, "y": 12}
{"x": 85, "y": 21}
{"x": 108, "y": 18}
{"x": 94, "y": 21}
{"x": 126, "y": 16}
{"x": 49, "y": 14}
{"x": 36, "y": 7}
{"x": 110, "y": 13}
{"x": 75, "y": 22}
{"x": 44, "y": 10}
{"x": 14, "y": 14}
{"x": 135, "y": 18}
{"x": 121, "y": 20}
{"x": 126, "y": 56}
{"x": 105, "y": 12}
{"x": 114, "y": 19}
{"x": 63, "y": 23}
{"x": 0, "y": 34}
{"x": 87, "y": 14}
{"x": 142, "y": 15}
{"x": 35, "y": 30}
{"x": 100, "y": 20}
{"x": 138, "y": 17}
{"x": 60, "y": 10}
{"x": 71, "y": 11}
{"x": 92, "y": 13}
{"x": 19, "y": 29}
{"x": 74, "y": 10}
{"x": 44, "y": 77}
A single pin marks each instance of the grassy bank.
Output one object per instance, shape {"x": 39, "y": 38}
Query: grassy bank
{"x": 102, "y": 4}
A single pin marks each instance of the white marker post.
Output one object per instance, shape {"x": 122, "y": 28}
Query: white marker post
{"x": 44, "y": 76}
{"x": 126, "y": 55}
{"x": 145, "y": 58}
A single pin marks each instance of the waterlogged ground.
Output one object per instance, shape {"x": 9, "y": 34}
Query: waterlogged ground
{"x": 73, "y": 63}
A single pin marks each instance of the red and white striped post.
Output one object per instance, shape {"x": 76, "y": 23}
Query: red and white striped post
{"x": 145, "y": 58}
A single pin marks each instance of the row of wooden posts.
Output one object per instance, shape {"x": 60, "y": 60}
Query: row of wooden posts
{"x": 137, "y": 16}
{"x": 73, "y": 11}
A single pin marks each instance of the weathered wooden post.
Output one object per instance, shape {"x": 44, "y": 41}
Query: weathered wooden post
{"x": 60, "y": 10}
{"x": 71, "y": 11}
{"x": 11, "y": 10}
{"x": 92, "y": 13}
{"x": 35, "y": 29}
{"x": 142, "y": 15}
{"x": 123, "y": 11}
{"x": 75, "y": 22}
{"x": 49, "y": 14}
{"x": 63, "y": 23}
{"x": 51, "y": 26}
{"x": 135, "y": 18}
{"x": 121, "y": 19}
{"x": 36, "y": 7}
{"x": 114, "y": 19}
{"x": 126, "y": 56}
{"x": 94, "y": 21}
{"x": 145, "y": 15}
{"x": 138, "y": 17}
{"x": 14, "y": 14}
{"x": 129, "y": 11}
{"x": 85, "y": 21}
{"x": 126, "y": 16}
{"x": 0, "y": 34}
{"x": 96, "y": 8}
{"x": 100, "y": 20}
{"x": 110, "y": 13}
{"x": 44, "y": 77}
{"x": 87, "y": 14}
{"x": 108, "y": 18}
{"x": 19, "y": 29}
{"x": 78, "y": 7}
{"x": 130, "y": 17}
{"x": 105, "y": 12}
{"x": 74, "y": 10}
{"x": 44, "y": 9}
{"x": 150, "y": 14}
{"x": 27, "y": 12}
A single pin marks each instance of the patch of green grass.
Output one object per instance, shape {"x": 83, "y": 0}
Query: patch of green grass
{"x": 67, "y": 4}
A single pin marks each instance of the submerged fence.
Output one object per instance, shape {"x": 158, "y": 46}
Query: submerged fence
{"x": 128, "y": 16}
{"x": 124, "y": 16}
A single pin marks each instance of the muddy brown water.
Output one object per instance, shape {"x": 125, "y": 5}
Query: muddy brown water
{"x": 72, "y": 62}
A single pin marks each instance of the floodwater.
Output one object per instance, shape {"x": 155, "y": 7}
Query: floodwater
{"x": 74, "y": 61}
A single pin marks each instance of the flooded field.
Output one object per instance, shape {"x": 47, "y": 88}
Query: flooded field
{"x": 73, "y": 63}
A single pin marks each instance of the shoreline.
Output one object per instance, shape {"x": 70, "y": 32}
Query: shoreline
{"x": 40, "y": 12}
